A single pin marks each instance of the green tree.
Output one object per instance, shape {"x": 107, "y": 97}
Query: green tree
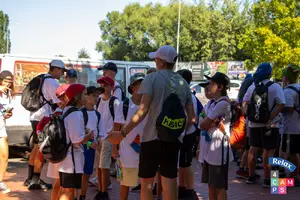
{"x": 83, "y": 53}
{"x": 274, "y": 35}
{"x": 5, "y": 43}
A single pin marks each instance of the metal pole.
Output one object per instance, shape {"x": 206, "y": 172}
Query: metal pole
{"x": 178, "y": 31}
{"x": 7, "y": 32}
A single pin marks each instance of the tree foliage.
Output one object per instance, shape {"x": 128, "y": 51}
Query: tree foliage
{"x": 209, "y": 32}
{"x": 4, "y": 33}
{"x": 274, "y": 35}
{"x": 83, "y": 53}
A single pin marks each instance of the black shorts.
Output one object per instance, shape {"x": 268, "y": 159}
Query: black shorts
{"x": 70, "y": 180}
{"x": 34, "y": 135}
{"x": 186, "y": 151}
{"x": 215, "y": 175}
{"x": 291, "y": 144}
{"x": 247, "y": 146}
{"x": 264, "y": 138}
{"x": 154, "y": 154}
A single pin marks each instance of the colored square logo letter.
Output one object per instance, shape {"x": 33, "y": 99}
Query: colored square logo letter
{"x": 282, "y": 182}
{"x": 274, "y": 190}
{"x": 274, "y": 174}
{"x": 290, "y": 182}
{"x": 274, "y": 182}
{"x": 281, "y": 190}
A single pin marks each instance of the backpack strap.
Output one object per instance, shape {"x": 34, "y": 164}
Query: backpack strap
{"x": 72, "y": 109}
{"x": 111, "y": 106}
{"x": 98, "y": 121}
{"x": 85, "y": 115}
{"x": 125, "y": 108}
{"x": 43, "y": 78}
{"x": 98, "y": 103}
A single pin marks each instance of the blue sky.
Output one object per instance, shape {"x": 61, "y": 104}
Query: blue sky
{"x": 52, "y": 27}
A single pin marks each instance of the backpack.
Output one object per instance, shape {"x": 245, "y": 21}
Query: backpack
{"x": 123, "y": 94}
{"x": 31, "y": 96}
{"x": 199, "y": 110}
{"x": 237, "y": 127}
{"x": 170, "y": 123}
{"x": 298, "y": 92}
{"x": 258, "y": 108}
{"x": 86, "y": 118}
{"x": 111, "y": 105}
{"x": 53, "y": 140}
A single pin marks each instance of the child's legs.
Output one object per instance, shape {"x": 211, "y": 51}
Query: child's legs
{"x": 3, "y": 156}
{"x": 55, "y": 190}
{"x": 85, "y": 184}
{"x": 89, "y": 157}
{"x": 99, "y": 176}
{"x": 130, "y": 179}
{"x": 158, "y": 183}
{"x": 104, "y": 165}
{"x": 124, "y": 192}
{"x": 68, "y": 184}
{"x": 66, "y": 193}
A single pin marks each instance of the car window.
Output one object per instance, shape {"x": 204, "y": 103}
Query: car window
{"x": 234, "y": 85}
{"x": 196, "y": 88}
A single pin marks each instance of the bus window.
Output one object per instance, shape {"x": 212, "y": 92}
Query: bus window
{"x": 25, "y": 71}
{"x": 134, "y": 70}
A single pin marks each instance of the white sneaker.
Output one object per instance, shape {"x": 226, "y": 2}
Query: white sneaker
{"x": 3, "y": 188}
{"x": 94, "y": 181}
{"x": 110, "y": 186}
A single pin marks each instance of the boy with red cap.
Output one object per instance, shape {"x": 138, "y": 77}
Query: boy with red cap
{"x": 71, "y": 168}
{"x": 106, "y": 106}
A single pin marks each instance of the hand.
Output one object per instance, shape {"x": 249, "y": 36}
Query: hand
{"x": 89, "y": 136}
{"x": 115, "y": 154}
{"x": 4, "y": 88}
{"x": 94, "y": 145}
{"x": 115, "y": 137}
{"x": 7, "y": 115}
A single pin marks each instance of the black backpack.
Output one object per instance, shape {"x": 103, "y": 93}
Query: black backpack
{"x": 86, "y": 118}
{"x": 298, "y": 92}
{"x": 170, "y": 123}
{"x": 53, "y": 140}
{"x": 258, "y": 108}
{"x": 125, "y": 108}
{"x": 31, "y": 97}
{"x": 111, "y": 105}
{"x": 123, "y": 94}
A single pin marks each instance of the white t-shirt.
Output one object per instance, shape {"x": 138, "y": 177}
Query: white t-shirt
{"x": 118, "y": 92}
{"x": 275, "y": 95}
{"x": 92, "y": 122}
{"x": 291, "y": 120}
{"x": 129, "y": 158}
{"x": 192, "y": 128}
{"x": 106, "y": 121}
{"x": 49, "y": 91}
{"x": 212, "y": 151}
{"x": 74, "y": 125}
{"x": 2, "y": 123}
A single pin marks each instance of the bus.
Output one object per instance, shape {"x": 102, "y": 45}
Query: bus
{"x": 25, "y": 68}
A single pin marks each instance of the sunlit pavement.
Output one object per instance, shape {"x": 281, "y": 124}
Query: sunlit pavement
{"x": 238, "y": 189}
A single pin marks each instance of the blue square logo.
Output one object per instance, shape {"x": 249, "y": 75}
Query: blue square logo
{"x": 274, "y": 190}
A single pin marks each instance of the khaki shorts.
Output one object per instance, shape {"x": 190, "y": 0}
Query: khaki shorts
{"x": 105, "y": 152}
{"x": 130, "y": 177}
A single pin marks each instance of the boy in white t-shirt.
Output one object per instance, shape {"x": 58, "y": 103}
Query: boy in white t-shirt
{"x": 129, "y": 146}
{"x": 106, "y": 106}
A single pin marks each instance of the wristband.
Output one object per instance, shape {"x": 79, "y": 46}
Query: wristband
{"x": 88, "y": 144}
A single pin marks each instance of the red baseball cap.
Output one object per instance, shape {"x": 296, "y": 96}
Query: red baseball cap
{"x": 73, "y": 90}
{"x": 62, "y": 89}
{"x": 106, "y": 80}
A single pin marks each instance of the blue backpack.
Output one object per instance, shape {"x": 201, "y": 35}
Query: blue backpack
{"x": 199, "y": 110}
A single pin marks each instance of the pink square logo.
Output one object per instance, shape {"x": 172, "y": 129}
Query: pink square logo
{"x": 290, "y": 182}
{"x": 281, "y": 190}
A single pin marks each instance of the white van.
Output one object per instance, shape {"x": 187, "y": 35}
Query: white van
{"x": 25, "y": 68}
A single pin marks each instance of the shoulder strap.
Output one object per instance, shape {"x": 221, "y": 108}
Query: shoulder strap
{"x": 111, "y": 106}
{"x": 117, "y": 87}
{"x": 85, "y": 116}
{"x": 125, "y": 108}
{"x": 43, "y": 78}
{"x": 298, "y": 92}
{"x": 98, "y": 103}
{"x": 99, "y": 117}
{"x": 72, "y": 109}
{"x": 269, "y": 84}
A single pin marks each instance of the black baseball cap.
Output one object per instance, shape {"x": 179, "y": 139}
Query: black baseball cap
{"x": 109, "y": 66}
{"x": 92, "y": 89}
{"x": 220, "y": 78}
{"x": 72, "y": 73}
{"x": 204, "y": 84}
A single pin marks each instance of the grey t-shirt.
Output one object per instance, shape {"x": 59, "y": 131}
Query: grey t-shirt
{"x": 158, "y": 85}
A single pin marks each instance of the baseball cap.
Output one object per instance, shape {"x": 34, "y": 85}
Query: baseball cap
{"x": 72, "y": 73}
{"x": 109, "y": 66}
{"x": 204, "y": 84}
{"x": 62, "y": 89}
{"x": 220, "y": 78}
{"x": 58, "y": 64}
{"x": 106, "y": 80}
{"x": 6, "y": 74}
{"x": 92, "y": 89}
{"x": 166, "y": 53}
{"x": 73, "y": 90}
{"x": 134, "y": 78}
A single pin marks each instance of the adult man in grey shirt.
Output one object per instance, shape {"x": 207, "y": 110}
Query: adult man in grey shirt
{"x": 154, "y": 90}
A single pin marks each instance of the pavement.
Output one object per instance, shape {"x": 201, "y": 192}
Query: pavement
{"x": 237, "y": 190}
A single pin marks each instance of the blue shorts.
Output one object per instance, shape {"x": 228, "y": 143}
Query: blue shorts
{"x": 89, "y": 157}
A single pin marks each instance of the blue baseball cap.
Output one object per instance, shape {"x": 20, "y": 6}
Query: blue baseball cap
{"x": 72, "y": 73}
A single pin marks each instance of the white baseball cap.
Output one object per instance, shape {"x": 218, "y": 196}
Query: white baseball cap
{"x": 166, "y": 53}
{"x": 58, "y": 64}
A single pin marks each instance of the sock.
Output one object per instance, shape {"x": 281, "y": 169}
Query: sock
{"x": 30, "y": 171}
{"x": 242, "y": 168}
{"x": 35, "y": 177}
{"x": 189, "y": 193}
{"x": 181, "y": 192}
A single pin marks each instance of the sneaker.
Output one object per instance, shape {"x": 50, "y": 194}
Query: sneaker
{"x": 136, "y": 189}
{"x": 44, "y": 185}
{"x": 267, "y": 183}
{"x": 104, "y": 196}
{"x": 259, "y": 167}
{"x": 26, "y": 182}
{"x": 98, "y": 195}
{"x": 241, "y": 174}
{"x": 251, "y": 180}
{"x": 3, "y": 188}
{"x": 154, "y": 192}
{"x": 257, "y": 176}
{"x": 39, "y": 185}
{"x": 34, "y": 186}
{"x": 297, "y": 181}
{"x": 110, "y": 186}
{"x": 94, "y": 181}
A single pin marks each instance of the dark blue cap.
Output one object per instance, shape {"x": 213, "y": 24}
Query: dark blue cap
{"x": 72, "y": 73}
